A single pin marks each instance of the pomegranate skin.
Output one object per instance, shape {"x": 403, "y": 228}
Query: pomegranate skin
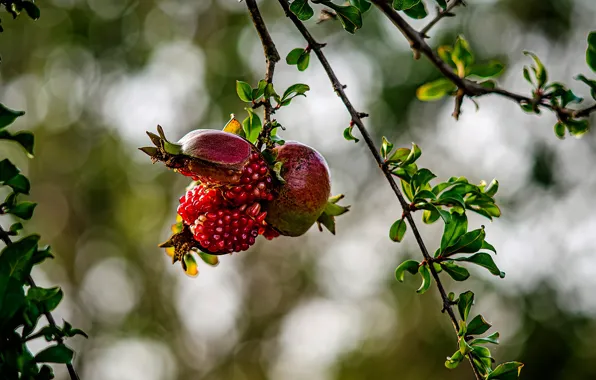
{"x": 303, "y": 197}
{"x": 216, "y": 155}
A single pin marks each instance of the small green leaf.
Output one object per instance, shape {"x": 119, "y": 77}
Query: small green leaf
{"x": 398, "y": 230}
{"x": 408, "y": 265}
{"x": 462, "y": 54}
{"x": 469, "y": 242}
{"x": 418, "y": 11}
{"x": 400, "y": 155}
{"x": 457, "y": 226}
{"x": 19, "y": 183}
{"x": 7, "y": 170}
{"x": 451, "y": 198}
{"x": 293, "y": 56}
{"x": 493, "y": 338}
{"x": 400, "y": 5}
{"x": 349, "y": 136}
{"x": 362, "y": 5}
{"x": 298, "y": 89}
{"x": 492, "y": 188}
{"x": 15, "y": 227}
{"x": 527, "y": 75}
{"x": 260, "y": 90}
{"x": 486, "y": 70}
{"x": 435, "y": 90}
{"x": 455, "y": 271}
{"x": 539, "y": 69}
{"x": 23, "y": 210}
{"x": 302, "y": 9}
{"x": 422, "y": 178}
{"x": 445, "y": 53}
{"x": 244, "y": 91}
{"x": 8, "y": 116}
{"x": 478, "y": 326}
{"x": 591, "y": 51}
{"x": 407, "y": 189}
{"x": 454, "y": 360}
{"x": 415, "y": 153}
{"x": 464, "y": 347}
{"x": 386, "y": 148}
{"x": 424, "y": 194}
{"x": 484, "y": 260}
{"x": 504, "y": 369}
{"x": 464, "y": 304}
{"x": 24, "y": 138}
{"x": 442, "y": 3}
{"x": 55, "y": 354}
{"x": 591, "y": 83}
{"x": 481, "y": 352}
{"x": 349, "y": 16}
{"x": 560, "y": 130}
{"x": 577, "y": 128}
{"x": 303, "y": 61}
{"x": 426, "y": 280}
{"x": 47, "y": 298}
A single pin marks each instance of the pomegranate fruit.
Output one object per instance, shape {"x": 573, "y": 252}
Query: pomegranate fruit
{"x": 301, "y": 200}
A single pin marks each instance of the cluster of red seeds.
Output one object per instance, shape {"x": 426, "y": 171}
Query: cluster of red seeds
{"x": 227, "y": 218}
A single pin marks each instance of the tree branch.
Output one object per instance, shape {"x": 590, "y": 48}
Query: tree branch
{"x": 442, "y": 13}
{"x": 357, "y": 120}
{"x": 71, "y": 371}
{"x": 272, "y": 57}
{"x": 420, "y": 46}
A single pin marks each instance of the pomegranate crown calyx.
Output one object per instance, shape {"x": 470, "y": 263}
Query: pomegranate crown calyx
{"x": 163, "y": 149}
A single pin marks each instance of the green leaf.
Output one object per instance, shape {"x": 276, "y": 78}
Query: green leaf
{"x": 349, "y": 136}
{"x": 454, "y": 360}
{"x": 55, "y": 354}
{"x": 398, "y": 230}
{"x": 457, "y": 226}
{"x": 435, "y": 90}
{"x": 481, "y": 352}
{"x": 19, "y": 183}
{"x": 244, "y": 91}
{"x": 492, "y": 188}
{"x": 400, "y": 5}
{"x": 260, "y": 90}
{"x": 527, "y": 75}
{"x": 426, "y": 280}
{"x": 504, "y": 369}
{"x": 400, "y": 155}
{"x": 539, "y": 69}
{"x": 386, "y": 148}
{"x": 7, "y": 170}
{"x": 478, "y": 326}
{"x": 445, "y": 53}
{"x": 486, "y": 70}
{"x": 451, "y": 198}
{"x": 8, "y": 116}
{"x": 424, "y": 194}
{"x": 47, "y": 298}
{"x": 70, "y": 332}
{"x": 15, "y": 227}
{"x": 303, "y": 61}
{"x": 442, "y": 3}
{"x": 349, "y": 16}
{"x": 484, "y": 260}
{"x": 591, "y": 83}
{"x": 407, "y": 189}
{"x": 418, "y": 11}
{"x": 415, "y": 153}
{"x": 23, "y": 210}
{"x": 408, "y": 265}
{"x": 577, "y": 128}
{"x": 362, "y": 5}
{"x": 591, "y": 51}
{"x": 293, "y": 91}
{"x": 302, "y": 9}
{"x": 487, "y": 245}
{"x": 560, "y": 130}
{"x": 422, "y": 178}
{"x": 493, "y": 338}
{"x": 24, "y": 138}
{"x": 464, "y": 347}
{"x": 464, "y": 304}
{"x": 462, "y": 54}
{"x": 455, "y": 271}
{"x": 293, "y": 56}
{"x": 31, "y": 9}
{"x": 469, "y": 242}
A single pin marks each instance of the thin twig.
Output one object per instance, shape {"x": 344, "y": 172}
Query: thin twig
{"x": 357, "y": 120}
{"x": 420, "y": 46}
{"x": 443, "y": 13}
{"x": 71, "y": 371}
{"x": 272, "y": 57}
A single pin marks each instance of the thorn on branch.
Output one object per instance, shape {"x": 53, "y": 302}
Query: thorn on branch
{"x": 362, "y": 115}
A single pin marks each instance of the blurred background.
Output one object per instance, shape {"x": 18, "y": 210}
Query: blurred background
{"x": 94, "y": 75}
